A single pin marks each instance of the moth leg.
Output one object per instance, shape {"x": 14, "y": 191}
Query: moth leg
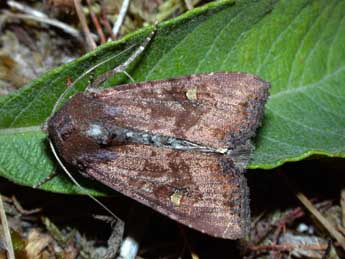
{"x": 45, "y": 180}
{"x": 122, "y": 68}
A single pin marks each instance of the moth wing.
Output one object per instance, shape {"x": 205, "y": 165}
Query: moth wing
{"x": 202, "y": 191}
{"x": 205, "y": 191}
{"x": 220, "y": 110}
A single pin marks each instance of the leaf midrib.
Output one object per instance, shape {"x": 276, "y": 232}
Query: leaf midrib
{"x": 9, "y": 131}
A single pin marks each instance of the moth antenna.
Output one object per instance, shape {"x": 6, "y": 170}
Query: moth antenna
{"x": 63, "y": 95}
{"x": 119, "y": 69}
{"x": 76, "y": 183}
{"x": 138, "y": 51}
{"x": 122, "y": 68}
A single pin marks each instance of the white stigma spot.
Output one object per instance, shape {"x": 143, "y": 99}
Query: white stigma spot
{"x": 95, "y": 131}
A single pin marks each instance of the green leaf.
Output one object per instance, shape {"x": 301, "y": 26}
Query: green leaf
{"x": 297, "y": 45}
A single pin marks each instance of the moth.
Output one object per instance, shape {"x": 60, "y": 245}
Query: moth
{"x": 179, "y": 146}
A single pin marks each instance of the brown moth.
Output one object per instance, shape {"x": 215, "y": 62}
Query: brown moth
{"x": 179, "y": 146}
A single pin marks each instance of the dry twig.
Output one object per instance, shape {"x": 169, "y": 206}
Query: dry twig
{"x": 25, "y": 9}
{"x": 342, "y": 205}
{"x": 91, "y": 45}
{"x": 6, "y": 231}
{"x": 327, "y": 225}
{"x": 105, "y": 21}
{"x": 120, "y": 17}
{"x": 287, "y": 248}
{"x": 189, "y": 4}
{"x": 96, "y": 23}
{"x": 138, "y": 219}
{"x": 46, "y": 20}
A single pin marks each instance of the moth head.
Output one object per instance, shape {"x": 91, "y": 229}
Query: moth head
{"x": 74, "y": 130}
